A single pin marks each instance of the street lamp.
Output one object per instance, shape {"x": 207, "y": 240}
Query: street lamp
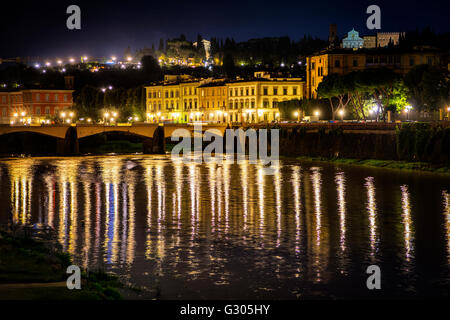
{"x": 341, "y": 113}
{"x": 316, "y": 113}
{"x": 105, "y": 117}
{"x": 407, "y": 110}
{"x": 63, "y": 116}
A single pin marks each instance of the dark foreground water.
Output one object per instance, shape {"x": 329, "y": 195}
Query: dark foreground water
{"x": 219, "y": 231}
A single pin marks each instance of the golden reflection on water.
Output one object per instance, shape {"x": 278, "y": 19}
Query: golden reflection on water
{"x": 372, "y": 214}
{"x": 407, "y": 223}
{"x": 342, "y": 210}
{"x": 189, "y": 213}
{"x": 296, "y": 186}
{"x": 21, "y": 190}
{"x": 320, "y": 246}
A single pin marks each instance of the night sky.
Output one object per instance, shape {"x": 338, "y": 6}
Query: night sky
{"x": 39, "y": 28}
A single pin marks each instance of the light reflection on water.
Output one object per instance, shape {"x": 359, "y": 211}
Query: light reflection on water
{"x": 224, "y": 230}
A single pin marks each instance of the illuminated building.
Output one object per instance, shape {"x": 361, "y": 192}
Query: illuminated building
{"x": 353, "y": 40}
{"x": 344, "y": 61}
{"x": 213, "y": 101}
{"x": 34, "y": 105}
{"x": 257, "y": 100}
{"x": 251, "y": 101}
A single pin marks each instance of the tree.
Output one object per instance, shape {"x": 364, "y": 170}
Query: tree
{"x": 428, "y": 87}
{"x": 151, "y": 68}
{"x": 380, "y": 84}
{"x": 335, "y": 88}
{"x": 228, "y": 65}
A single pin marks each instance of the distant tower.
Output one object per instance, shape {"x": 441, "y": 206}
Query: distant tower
{"x": 332, "y": 36}
{"x": 69, "y": 82}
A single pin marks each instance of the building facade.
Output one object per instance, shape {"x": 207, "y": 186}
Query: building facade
{"x": 213, "y": 102}
{"x": 216, "y": 101}
{"x": 343, "y": 61}
{"x": 386, "y": 38}
{"x": 34, "y": 105}
{"x": 353, "y": 40}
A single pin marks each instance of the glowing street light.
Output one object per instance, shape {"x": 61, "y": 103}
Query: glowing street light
{"x": 129, "y": 59}
{"x": 407, "y": 110}
{"x": 341, "y": 113}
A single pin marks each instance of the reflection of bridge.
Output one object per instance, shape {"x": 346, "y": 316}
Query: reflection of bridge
{"x": 153, "y": 135}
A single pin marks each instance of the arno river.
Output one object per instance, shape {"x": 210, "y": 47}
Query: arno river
{"x": 219, "y": 231}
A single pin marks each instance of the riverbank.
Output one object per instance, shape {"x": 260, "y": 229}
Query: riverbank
{"x": 387, "y": 164}
{"x": 33, "y": 269}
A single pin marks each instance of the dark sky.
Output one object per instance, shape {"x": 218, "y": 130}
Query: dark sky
{"x": 38, "y": 28}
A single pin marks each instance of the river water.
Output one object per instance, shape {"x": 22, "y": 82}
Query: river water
{"x": 227, "y": 230}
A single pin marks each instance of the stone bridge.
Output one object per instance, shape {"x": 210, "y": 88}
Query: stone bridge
{"x": 153, "y": 134}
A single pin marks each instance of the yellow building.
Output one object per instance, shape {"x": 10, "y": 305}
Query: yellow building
{"x": 217, "y": 101}
{"x": 343, "y": 61}
{"x": 213, "y": 102}
{"x": 171, "y": 101}
{"x": 257, "y": 100}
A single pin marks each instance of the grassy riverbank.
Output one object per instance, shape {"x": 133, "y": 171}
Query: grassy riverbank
{"x": 33, "y": 270}
{"x": 389, "y": 164}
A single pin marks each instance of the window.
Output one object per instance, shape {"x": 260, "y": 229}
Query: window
{"x": 294, "y": 91}
{"x": 337, "y": 63}
{"x": 275, "y": 91}
{"x": 56, "y": 97}
{"x": 47, "y": 97}
{"x": 253, "y": 91}
{"x": 355, "y": 62}
{"x": 4, "y": 112}
{"x": 265, "y": 91}
{"x": 38, "y": 97}
{"x": 430, "y": 61}
{"x": 47, "y": 110}
{"x": 411, "y": 61}
{"x": 285, "y": 92}
{"x": 38, "y": 111}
